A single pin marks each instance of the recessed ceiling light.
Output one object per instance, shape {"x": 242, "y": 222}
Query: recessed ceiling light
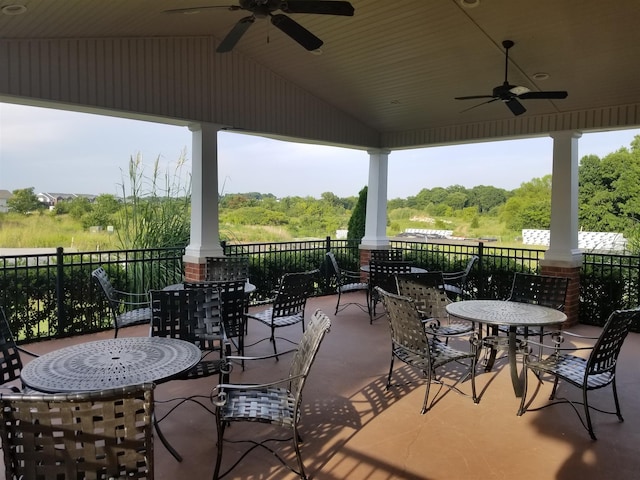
{"x": 13, "y": 9}
{"x": 541, "y": 76}
{"x": 469, "y": 3}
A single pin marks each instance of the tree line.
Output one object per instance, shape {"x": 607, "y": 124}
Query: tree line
{"x": 609, "y": 200}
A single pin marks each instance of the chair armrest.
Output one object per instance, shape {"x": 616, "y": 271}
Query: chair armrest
{"x": 527, "y": 344}
{"x": 27, "y": 352}
{"x": 220, "y": 398}
{"x": 131, "y": 294}
{"x": 263, "y": 357}
{"x": 453, "y": 275}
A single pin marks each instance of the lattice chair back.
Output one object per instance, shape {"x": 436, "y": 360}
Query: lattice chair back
{"x": 336, "y": 269}
{"x": 222, "y": 269}
{"x": 604, "y": 356}
{"x": 382, "y": 273}
{"x": 429, "y": 296}
{"x": 387, "y": 254}
{"x": 10, "y": 361}
{"x": 293, "y": 291}
{"x": 92, "y": 435}
{"x": 127, "y": 308}
{"x": 542, "y": 290}
{"x": 102, "y": 279}
{"x": 306, "y": 352}
{"x": 192, "y": 314}
{"x": 407, "y": 331}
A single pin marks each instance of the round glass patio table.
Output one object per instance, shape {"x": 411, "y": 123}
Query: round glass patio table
{"x": 511, "y": 315}
{"x": 110, "y": 363}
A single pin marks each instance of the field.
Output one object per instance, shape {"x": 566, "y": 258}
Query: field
{"x": 45, "y": 230}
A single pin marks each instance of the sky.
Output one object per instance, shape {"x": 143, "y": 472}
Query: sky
{"x": 68, "y": 152}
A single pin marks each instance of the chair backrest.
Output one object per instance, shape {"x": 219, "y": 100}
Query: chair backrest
{"x": 386, "y": 254}
{"x": 222, "y": 269}
{"x": 192, "y": 314}
{"x": 10, "y": 361}
{"x": 233, "y": 307}
{"x": 542, "y": 290}
{"x": 382, "y": 273}
{"x": 101, "y": 278}
{"x": 334, "y": 265}
{"x": 407, "y": 329}
{"x": 605, "y": 352}
{"x": 92, "y": 435}
{"x": 293, "y": 291}
{"x": 429, "y": 296}
{"x": 306, "y": 352}
{"x": 428, "y": 279}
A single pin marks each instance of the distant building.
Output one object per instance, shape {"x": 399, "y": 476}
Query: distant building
{"x": 4, "y": 196}
{"x": 52, "y": 199}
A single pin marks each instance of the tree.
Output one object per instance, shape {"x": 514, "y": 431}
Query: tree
{"x": 24, "y": 201}
{"x": 358, "y": 217}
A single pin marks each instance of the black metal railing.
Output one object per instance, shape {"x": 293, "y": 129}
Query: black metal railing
{"x": 52, "y": 295}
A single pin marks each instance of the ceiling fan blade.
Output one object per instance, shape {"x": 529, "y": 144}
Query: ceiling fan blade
{"x": 296, "y": 31}
{"x": 318, "y": 7}
{"x": 479, "y": 104}
{"x": 515, "y": 106}
{"x": 472, "y": 97}
{"x": 191, "y": 10}
{"x": 544, "y": 95}
{"x": 235, "y": 34}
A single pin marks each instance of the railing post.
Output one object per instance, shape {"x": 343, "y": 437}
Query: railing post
{"x": 62, "y": 318}
{"x": 480, "y": 270}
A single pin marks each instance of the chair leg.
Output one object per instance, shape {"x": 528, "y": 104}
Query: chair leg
{"x": 615, "y": 399}
{"x": 338, "y": 303}
{"x": 426, "y": 394}
{"x": 221, "y": 427}
{"x": 296, "y": 444}
{"x": 587, "y": 414}
{"x": 390, "y": 373}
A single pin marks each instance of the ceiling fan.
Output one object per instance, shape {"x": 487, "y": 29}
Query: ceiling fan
{"x": 265, "y": 8}
{"x": 510, "y": 94}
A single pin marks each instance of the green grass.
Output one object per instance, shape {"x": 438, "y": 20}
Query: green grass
{"x": 45, "y": 230}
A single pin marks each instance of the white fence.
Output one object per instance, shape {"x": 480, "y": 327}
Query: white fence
{"x": 588, "y": 241}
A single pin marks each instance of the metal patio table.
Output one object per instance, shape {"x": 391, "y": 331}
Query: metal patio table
{"x": 508, "y": 314}
{"x": 111, "y": 363}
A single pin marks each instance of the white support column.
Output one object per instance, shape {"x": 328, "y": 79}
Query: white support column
{"x": 205, "y": 236}
{"x": 563, "y": 243}
{"x": 375, "y": 231}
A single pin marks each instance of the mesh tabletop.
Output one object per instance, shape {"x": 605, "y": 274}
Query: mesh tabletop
{"x": 499, "y": 312}
{"x": 111, "y": 363}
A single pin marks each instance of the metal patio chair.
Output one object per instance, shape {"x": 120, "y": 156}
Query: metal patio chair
{"x": 126, "y": 308}
{"x": 382, "y": 273}
{"x": 347, "y": 281}
{"x": 223, "y": 269}
{"x": 546, "y": 290}
{"x": 596, "y": 371}
{"x": 288, "y": 306}
{"x": 276, "y": 403}
{"x": 192, "y": 315}
{"x": 411, "y": 344}
{"x": 10, "y": 358}
{"x": 92, "y": 435}
{"x": 426, "y": 290}
{"x": 455, "y": 283}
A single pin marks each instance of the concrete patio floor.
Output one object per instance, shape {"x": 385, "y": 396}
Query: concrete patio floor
{"x": 355, "y": 429}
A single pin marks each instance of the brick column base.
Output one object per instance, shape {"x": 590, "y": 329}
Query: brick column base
{"x": 195, "y": 272}
{"x": 572, "y": 303}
